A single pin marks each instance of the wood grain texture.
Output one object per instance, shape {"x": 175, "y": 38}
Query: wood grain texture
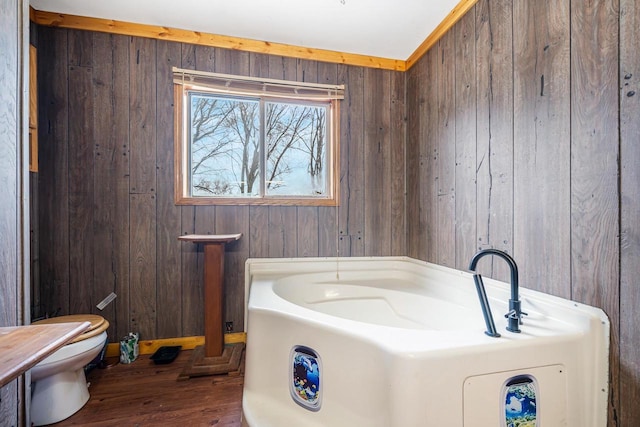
{"x": 628, "y": 410}
{"x": 352, "y": 170}
{"x": 143, "y": 75}
{"x": 428, "y": 147}
{"x": 595, "y": 197}
{"x": 142, "y": 311}
{"x": 413, "y": 82}
{"x": 465, "y": 140}
{"x": 397, "y": 196}
{"x": 23, "y": 347}
{"x": 143, "y": 393}
{"x": 12, "y": 104}
{"x": 81, "y": 183}
{"x": 494, "y": 132}
{"x": 121, "y": 160}
{"x": 104, "y": 188}
{"x": 213, "y": 298}
{"x": 546, "y": 141}
{"x": 377, "y": 163}
{"x": 542, "y": 146}
{"x": 53, "y": 223}
{"x": 446, "y": 138}
{"x": 169, "y": 284}
{"x": 33, "y": 108}
{"x": 191, "y": 269}
{"x": 234, "y": 219}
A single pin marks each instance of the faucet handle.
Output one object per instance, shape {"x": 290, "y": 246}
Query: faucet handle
{"x": 513, "y": 314}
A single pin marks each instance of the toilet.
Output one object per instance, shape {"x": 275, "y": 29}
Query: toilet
{"x": 58, "y": 384}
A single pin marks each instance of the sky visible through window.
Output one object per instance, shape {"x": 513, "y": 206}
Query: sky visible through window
{"x": 226, "y": 147}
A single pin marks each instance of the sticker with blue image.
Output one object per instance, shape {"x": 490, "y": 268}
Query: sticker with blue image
{"x": 305, "y": 384}
{"x": 520, "y": 402}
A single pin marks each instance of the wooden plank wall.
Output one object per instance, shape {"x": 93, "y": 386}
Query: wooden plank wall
{"x": 629, "y": 82}
{"x": 13, "y": 170}
{"x": 106, "y": 218}
{"x": 547, "y": 147}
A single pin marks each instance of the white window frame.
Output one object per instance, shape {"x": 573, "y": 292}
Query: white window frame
{"x": 189, "y": 81}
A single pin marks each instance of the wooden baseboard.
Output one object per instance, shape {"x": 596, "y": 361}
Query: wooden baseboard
{"x": 187, "y": 343}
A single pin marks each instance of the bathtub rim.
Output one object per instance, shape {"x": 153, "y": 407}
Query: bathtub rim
{"x": 275, "y": 268}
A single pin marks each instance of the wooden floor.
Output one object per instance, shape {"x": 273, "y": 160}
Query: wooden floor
{"x": 145, "y": 394}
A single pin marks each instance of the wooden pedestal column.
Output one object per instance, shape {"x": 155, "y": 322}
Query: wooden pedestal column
{"x": 214, "y": 357}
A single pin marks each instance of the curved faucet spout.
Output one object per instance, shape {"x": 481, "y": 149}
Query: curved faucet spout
{"x": 514, "y": 316}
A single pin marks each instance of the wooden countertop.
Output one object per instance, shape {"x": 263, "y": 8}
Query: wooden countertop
{"x": 22, "y": 347}
{"x": 210, "y": 238}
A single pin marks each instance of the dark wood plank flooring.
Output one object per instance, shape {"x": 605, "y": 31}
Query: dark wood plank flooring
{"x": 146, "y": 394}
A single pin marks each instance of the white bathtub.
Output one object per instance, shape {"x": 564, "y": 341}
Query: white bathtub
{"x": 398, "y": 342}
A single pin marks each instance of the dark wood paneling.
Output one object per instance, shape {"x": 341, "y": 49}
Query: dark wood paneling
{"x": 494, "y": 145}
{"x": 143, "y": 265}
{"x": 377, "y": 159}
{"x": 629, "y": 410}
{"x": 80, "y": 48}
{"x": 191, "y": 271}
{"x": 428, "y": 146}
{"x": 465, "y": 144}
{"x": 142, "y": 69}
{"x": 282, "y": 238}
{"x": 53, "y": 189}
{"x": 351, "y": 212}
{"x": 397, "y": 170}
{"x": 111, "y": 179}
{"x": 595, "y": 203}
{"x": 542, "y": 143}
{"x": 169, "y": 283}
{"x": 413, "y": 79}
{"x": 258, "y": 231}
{"x": 546, "y": 108}
{"x": 81, "y": 190}
{"x": 143, "y": 183}
{"x": 446, "y": 151}
{"x": 134, "y": 222}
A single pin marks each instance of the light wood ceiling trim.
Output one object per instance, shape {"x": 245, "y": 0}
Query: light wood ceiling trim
{"x": 448, "y": 22}
{"x": 177, "y": 35}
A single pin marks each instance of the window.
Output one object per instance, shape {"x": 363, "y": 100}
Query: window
{"x": 246, "y": 141}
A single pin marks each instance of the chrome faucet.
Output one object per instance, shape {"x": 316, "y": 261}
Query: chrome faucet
{"x": 514, "y": 316}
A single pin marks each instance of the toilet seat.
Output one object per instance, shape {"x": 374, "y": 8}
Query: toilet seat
{"x": 98, "y": 324}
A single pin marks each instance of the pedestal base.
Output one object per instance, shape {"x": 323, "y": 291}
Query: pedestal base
{"x": 227, "y": 363}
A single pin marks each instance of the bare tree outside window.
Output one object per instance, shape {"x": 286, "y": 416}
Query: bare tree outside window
{"x": 226, "y": 147}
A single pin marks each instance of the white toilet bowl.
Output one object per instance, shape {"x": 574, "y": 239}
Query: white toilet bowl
{"x": 58, "y": 384}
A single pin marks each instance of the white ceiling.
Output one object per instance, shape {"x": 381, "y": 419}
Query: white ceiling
{"x": 384, "y": 28}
